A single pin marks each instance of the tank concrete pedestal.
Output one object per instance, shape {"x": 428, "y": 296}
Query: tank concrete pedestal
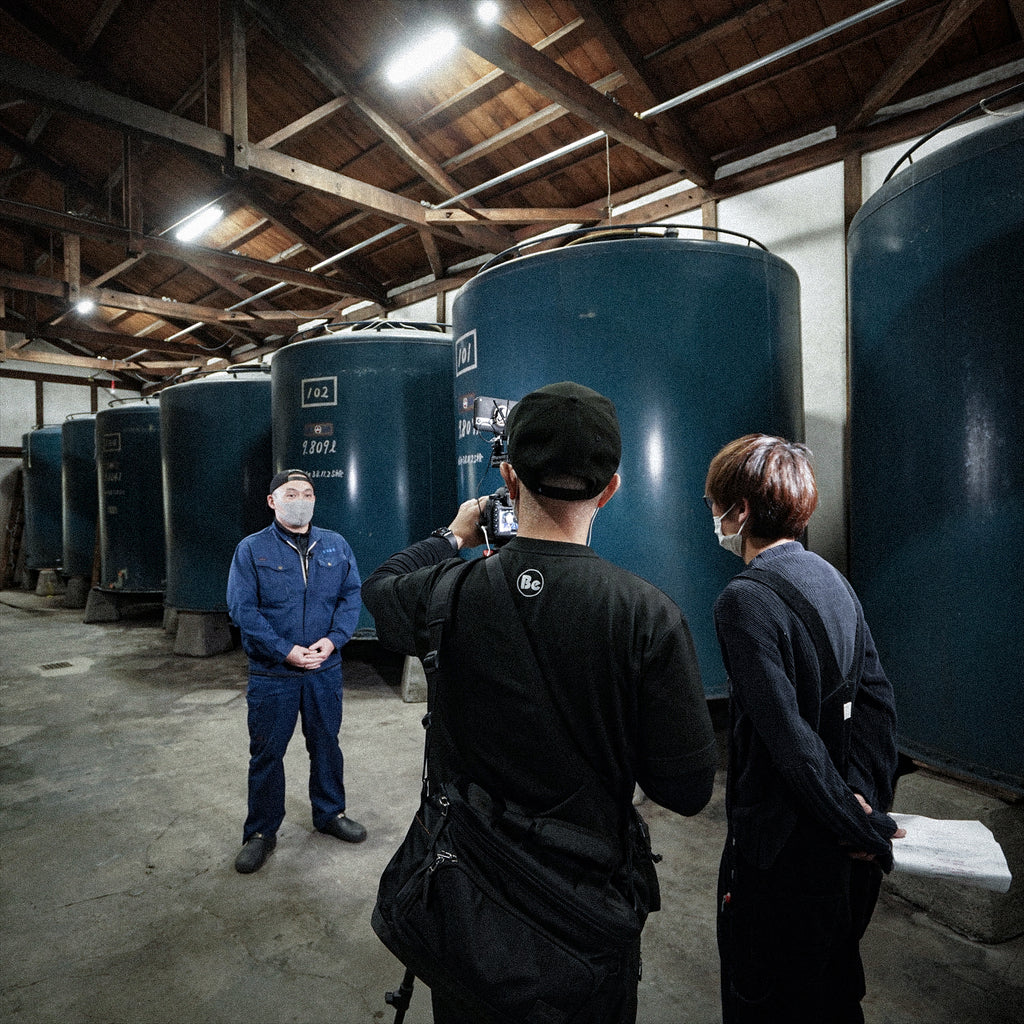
{"x": 202, "y": 634}
{"x": 49, "y": 583}
{"x": 978, "y": 913}
{"x": 101, "y": 607}
{"x": 414, "y": 681}
{"x": 77, "y": 593}
{"x": 107, "y": 605}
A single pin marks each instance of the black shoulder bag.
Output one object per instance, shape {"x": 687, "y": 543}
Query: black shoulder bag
{"x": 513, "y": 916}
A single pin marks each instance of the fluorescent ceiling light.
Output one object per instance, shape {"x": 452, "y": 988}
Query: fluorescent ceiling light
{"x": 429, "y": 51}
{"x": 488, "y": 12}
{"x": 199, "y": 222}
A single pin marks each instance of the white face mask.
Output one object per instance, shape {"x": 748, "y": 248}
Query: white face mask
{"x": 731, "y": 542}
{"x": 297, "y": 513}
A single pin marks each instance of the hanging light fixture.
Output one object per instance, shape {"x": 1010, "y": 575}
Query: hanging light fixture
{"x": 429, "y": 51}
{"x": 202, "y": 220}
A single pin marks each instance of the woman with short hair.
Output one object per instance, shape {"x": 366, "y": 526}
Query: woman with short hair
{"x": 812, "y": 751}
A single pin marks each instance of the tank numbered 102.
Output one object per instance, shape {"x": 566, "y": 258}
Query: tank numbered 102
{"x": 319, "y": 391}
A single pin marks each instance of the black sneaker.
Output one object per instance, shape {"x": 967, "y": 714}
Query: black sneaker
{"x": 254, "y": 854}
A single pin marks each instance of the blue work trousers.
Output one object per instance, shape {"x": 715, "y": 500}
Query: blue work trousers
{"x": 275, "y": 703}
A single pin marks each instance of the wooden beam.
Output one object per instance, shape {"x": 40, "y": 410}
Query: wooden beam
{"x": 73, "y": 264}
{"x": 924, "y": 46}
{"x": 55, "y": 378}
{"x": 358, "y": 193}
{"x": 513, "y": 215}
{"x": 681, "y": 48}
{"x": 1017, "y": 10}
{"x": 97, "y": 24}
{"x": 394, "y": 135}
{"x": 99, "y": 105}
{"x": 709, "y": 216}
{"x": 350, "y": 275}
{"x": 32, "y": 156}
{"x": 239, "y": 92}
{"x": 606, "y": 26}
{"x": 124, "y": 300}
{"x": 853, "y": 187}
{"x": 516, "y": 131}
{"x": 93, "y": 338}
{"x": 890, "y": 132}
{"x": 85, "y": 362}
{"x": 314, "y": 117}
{"x": 507, "y": 51}
{"x": 494, "y": 75}
{"x": 433, "y": 255}
{"x": 185, "y": 253}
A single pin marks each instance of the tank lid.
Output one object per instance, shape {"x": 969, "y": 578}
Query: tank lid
{"x": 351, "y": 329}
{"x": 1006, "y": 131}
{"x": 620, "y": 232}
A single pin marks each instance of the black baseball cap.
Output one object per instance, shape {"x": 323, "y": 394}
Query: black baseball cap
{"x": 284, "y": 476}
{"x": 564, "y": 429}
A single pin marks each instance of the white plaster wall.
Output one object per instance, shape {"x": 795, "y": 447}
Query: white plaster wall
{"x": 800, "y": 220}
{"x": 18, "y": 399}
{"x": 18, "y": 413}
{"x": 424, "y": 312}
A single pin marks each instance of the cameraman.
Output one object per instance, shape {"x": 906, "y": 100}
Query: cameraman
{"x": 619, "y": 698}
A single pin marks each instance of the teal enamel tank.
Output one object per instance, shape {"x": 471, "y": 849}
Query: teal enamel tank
{"x": 79, "y": 493}
{"x": 366, "y": 410}
{"x": 696, "y": 342}
{"x": 215, "y": 450}
{"x": 131, "y": 505}
{"x": 936, "y": 277}
{"x": 41, "y": 460}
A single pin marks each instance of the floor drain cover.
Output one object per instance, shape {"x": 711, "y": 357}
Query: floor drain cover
{"x": 56, "y": 664}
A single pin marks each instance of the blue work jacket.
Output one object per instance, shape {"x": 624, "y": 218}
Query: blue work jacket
{"x": 279, "y": 599}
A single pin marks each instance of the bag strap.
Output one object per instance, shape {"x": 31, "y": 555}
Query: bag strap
{"x": 439, "y": 607}
{"x": 837, "y": 689}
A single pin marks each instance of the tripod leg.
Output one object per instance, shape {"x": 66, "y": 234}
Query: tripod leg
{"x": 400, "y": 999}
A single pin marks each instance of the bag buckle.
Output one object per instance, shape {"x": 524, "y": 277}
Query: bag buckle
{"x": 443, "y": 857}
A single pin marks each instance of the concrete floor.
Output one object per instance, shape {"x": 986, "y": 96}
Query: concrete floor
{"x": 122, "y": 792}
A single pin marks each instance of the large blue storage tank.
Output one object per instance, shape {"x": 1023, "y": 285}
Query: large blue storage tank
{"x": 215, "y": 445}
{"x": 936, "y": 274}
{"x": 40, "y": 459}
{"x": 79, "y": 494}
{"x": 131, "y": 504}
{"x": 366, "y": 411}
{"x": 696, "y": 342}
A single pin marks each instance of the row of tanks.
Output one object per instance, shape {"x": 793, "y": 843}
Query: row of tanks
{"x": 697, "y": 342}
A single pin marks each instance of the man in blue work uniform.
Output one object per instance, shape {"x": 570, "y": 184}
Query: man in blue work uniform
{"x": 293, "y": 592}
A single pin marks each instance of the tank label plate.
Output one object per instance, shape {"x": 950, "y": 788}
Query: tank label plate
{"x": 319, "y": 391}
{"x": 465, "y": 353}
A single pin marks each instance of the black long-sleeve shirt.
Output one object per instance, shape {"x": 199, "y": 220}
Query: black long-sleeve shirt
{"x": 780, "y": 771}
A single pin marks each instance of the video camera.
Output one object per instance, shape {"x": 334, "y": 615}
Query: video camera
{"x": 498, "y": 519}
